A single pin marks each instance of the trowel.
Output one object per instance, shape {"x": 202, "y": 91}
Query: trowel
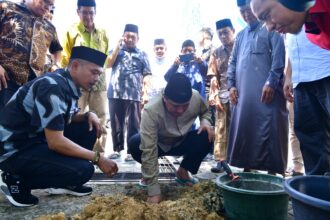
{"x": 230, "y": 173}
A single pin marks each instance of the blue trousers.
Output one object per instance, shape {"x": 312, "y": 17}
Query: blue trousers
{"x": 312, "y": 124}
{"x": 193, "y": 149}
{"x": 42, "y": 168}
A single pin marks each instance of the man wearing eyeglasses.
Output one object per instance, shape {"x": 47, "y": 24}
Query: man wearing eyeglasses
{"x": 25, "y": 38}
{"x": 86, "y": 33}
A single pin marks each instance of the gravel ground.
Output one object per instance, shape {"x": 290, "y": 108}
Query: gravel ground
{"x": 53, "y": 204}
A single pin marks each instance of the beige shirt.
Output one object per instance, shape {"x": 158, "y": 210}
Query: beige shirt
{"x": 159, "y": 128}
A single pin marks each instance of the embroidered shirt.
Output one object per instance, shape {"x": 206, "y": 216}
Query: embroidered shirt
{"x": 24, "y": 42}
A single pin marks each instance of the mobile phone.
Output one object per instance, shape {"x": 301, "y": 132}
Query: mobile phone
{"x": 185, "y": 58}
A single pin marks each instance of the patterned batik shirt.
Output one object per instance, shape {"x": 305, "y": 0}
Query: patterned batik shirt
{"x": 196, "y": 72}
{"x": 218, "y": 65}
{"x": 48, "y": 102}
{"x": 127, "y": 74}
{"x": 24, "y": 41}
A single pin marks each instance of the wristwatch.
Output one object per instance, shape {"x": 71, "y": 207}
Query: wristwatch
{"x": 96, "y": 157}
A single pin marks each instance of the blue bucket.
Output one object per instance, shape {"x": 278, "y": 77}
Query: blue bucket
{"x": 310, "y": 197}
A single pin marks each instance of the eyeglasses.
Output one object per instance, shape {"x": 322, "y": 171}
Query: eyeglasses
{"x": 87, "y": 13}
{"x": 48, "y": 4}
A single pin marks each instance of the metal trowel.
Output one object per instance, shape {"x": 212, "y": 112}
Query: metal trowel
{"x": 230, "y": 173}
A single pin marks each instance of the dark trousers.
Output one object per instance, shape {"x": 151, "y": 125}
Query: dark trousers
{"x": 123, "y": 114}
{"x": 42, "y": 168}
{"x": 312, "y": 124}
{"x": 193, "y": 149}
{"x": 6, "y": 94}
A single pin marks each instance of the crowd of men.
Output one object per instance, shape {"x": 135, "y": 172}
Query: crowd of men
{"x": 230, "y": 101}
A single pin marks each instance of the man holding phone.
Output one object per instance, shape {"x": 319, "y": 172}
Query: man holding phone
{"x": 187, "y": 63}
{"x": 128, "y": 81}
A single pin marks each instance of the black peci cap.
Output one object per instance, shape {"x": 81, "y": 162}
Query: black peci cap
{"x": 131, "y": 28}
{"x": 241, "y": 3}
{"x": 297, "y": 5}
{"x": 86, "y": 3}
{"x": 178, "y": 88}
{"x": 224, "y": 23}
{"x": 159, "y": 41}
{"x": 88, "y": 54}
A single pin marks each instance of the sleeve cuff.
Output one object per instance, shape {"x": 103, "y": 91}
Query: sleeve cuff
{"x": 154, "y": 190}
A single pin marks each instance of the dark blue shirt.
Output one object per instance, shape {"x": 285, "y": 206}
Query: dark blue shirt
{"x": 49, "y": 102}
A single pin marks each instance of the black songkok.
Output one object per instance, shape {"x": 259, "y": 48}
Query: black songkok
{"x": 188, "y": 43}
{"x": 223, "y": 23}
{"x": 241, "y": 3}
{"x": 88, "y": 54}
{"x": 159, "y": 41}
{"x": 297, "y": 5}
{"x": 178, "y": 88}
{"x": 131, "y": 28}
{"x": 86, "y": 3}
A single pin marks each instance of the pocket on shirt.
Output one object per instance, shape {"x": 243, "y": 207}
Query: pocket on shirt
{"x": 260, "y": 46}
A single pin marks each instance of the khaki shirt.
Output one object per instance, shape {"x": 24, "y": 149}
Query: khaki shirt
{"x": 159, "y": 128}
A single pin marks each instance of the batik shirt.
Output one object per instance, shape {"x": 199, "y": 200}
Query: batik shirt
{"x": 128, "y": 70}
{"x": 48, "y": 102}
{"x": 218, "y": 65}
{"x": 79, "y": 36}
{"x": 24, "y": 41}
{"x": 196, "y": 72}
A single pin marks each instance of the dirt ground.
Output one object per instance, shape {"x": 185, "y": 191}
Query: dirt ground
{"x": 124, "y": 201}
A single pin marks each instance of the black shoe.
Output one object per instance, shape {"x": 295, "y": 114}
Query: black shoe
{"x": 71, "y": 190}
{"x": 15, "y": 191}
{"x": 217, "y": 168}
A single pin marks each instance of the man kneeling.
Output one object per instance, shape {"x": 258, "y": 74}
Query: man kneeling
{"x": 39, "y": 146}
{"x": 166, "y": 130}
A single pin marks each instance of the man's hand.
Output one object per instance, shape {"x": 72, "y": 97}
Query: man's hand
{"x": 198, "y": 59}
{"x": 3, "y": 78}
{"x": 209, "y": 129}
{"x": 233, "y": 95}
{"x": 267, "y": 94}
{"x": 107, "y": 166}
{"x": 177, "y": 61}
{"x": 214, "y": 100}
{"x": 94, "y": 121}
{"x": 287, "y": 89}
{"x": 154, "y": 199}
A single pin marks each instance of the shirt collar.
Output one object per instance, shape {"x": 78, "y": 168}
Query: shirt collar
{"x": 74, "y": 89}
{"x": 130, "y": 49}
{"x": 254, "y": 25}
{"x": 81, "y": 28}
